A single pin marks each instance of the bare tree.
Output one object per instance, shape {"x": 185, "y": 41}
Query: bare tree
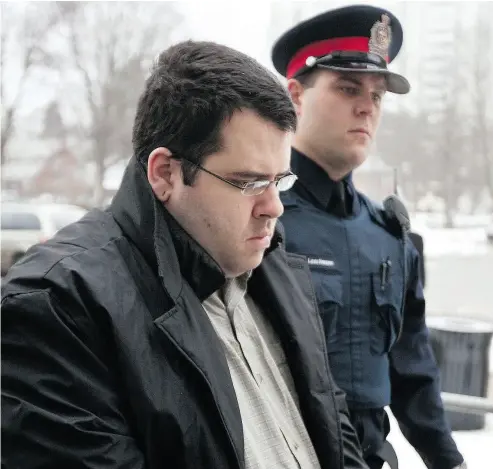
{"x": 447, "y": 130}
{"x": 450, "y": 142}
{"x": 401, "y": 145}
{"x": 482, "y": 80}
{"x": 25, "y": 33}
{"x": 111, "y": 53}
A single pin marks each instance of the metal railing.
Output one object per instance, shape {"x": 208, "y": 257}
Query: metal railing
{"x": 468, "y": 404}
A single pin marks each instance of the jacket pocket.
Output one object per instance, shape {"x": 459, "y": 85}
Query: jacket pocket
{"x": 328, "y": 289}
{"x": 385, "y": 313}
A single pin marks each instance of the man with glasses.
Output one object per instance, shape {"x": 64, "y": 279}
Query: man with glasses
{"x": 365, "y": 269}
{"x": 283, "y": 182}
{"x": 172, "y": 329}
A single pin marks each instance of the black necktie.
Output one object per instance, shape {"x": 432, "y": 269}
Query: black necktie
{"x": 337, "y": 204}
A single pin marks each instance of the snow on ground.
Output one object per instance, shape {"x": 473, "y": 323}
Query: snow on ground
{"x": 476, "y": 446}
{"x": 468, "y": 238}
{"x": 460, "y": 241}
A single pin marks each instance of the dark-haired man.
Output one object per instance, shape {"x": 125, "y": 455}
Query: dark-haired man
{"x": 172, "y": 330}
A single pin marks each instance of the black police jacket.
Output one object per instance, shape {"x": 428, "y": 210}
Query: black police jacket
{"x": 367, "y": 279}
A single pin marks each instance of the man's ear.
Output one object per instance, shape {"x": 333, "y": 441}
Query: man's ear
{"x": 296, "y": 91}
{"x": 162, "y": 172}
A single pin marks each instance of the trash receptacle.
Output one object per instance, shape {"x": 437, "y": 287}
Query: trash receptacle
{"x": 461, "y": 348}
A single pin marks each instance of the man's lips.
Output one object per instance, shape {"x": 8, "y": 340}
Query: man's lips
{"x": 361, "y": 130}
{"x": 266, "y": 234}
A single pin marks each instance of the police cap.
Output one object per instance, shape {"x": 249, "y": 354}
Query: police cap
{"x": 357, "y": 38}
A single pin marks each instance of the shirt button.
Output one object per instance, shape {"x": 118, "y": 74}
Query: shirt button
{"x": 259, "y": 378}
{"x": 296, "y": 447}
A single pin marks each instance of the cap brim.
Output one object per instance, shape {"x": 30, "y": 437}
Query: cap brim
{"x": 395, "y": 83}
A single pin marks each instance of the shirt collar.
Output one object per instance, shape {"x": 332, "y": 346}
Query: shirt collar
{"x": 234, "y": 290}
{"x": 312, "y": 179}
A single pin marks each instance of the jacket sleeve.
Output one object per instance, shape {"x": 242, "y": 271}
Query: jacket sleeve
{"x": 59, "y": 405}
{"x": 416, "y": 400}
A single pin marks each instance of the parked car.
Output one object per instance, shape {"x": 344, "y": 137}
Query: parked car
{"x": 24, "y": 225}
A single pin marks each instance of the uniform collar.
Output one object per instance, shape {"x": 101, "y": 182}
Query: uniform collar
{"x": 314, "y": 181}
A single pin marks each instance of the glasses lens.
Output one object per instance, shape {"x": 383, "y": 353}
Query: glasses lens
{"x": 286, "y": 182}
{"x": 255, "y": 187}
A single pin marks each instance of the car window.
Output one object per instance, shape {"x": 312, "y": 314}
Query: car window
{"x": 20, "y": 221}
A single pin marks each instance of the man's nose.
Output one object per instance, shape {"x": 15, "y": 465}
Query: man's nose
{"x": 269, "y": 203}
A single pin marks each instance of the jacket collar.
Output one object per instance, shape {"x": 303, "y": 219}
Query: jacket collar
{"x": 168, "y": 248}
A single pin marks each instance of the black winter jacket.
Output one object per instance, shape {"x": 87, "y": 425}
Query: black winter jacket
{"x": 110, "y": 361}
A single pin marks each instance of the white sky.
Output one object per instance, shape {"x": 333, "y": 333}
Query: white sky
{"x": 244, "y": 24}
{"x": 219, "y": 21}
{"x": 248, "y": 25}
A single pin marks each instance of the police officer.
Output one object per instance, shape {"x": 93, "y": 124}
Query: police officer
{"x": 365, "y": 268}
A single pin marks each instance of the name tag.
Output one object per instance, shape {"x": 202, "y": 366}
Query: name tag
{"x": 321, "y": 262}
